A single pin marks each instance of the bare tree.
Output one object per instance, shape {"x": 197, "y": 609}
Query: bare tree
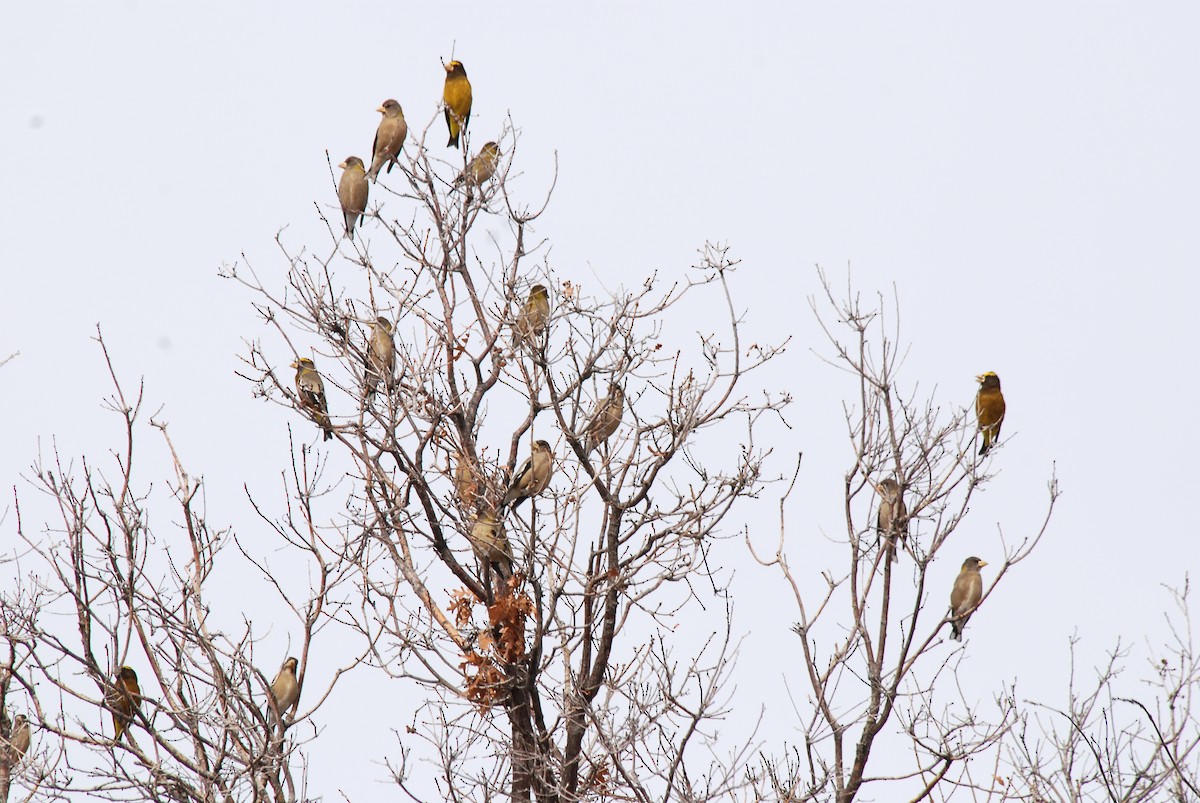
{"x": 1107, "y": 746}
{"x": 550, "y": 673}
{"x": 538, "y": 473}
{"x": 871, "y": 638}
{"x": 143, "y": 698}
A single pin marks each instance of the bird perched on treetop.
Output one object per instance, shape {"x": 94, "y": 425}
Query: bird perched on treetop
{"x": 968, "y": 590}
{"x": 311, "y": 391}
{"x": 285, "y": 688}
{"x": 123, "y": 699}
{"x": 381, "y": 356}
{"x": 534, "y": 316}
{"x": 481, "y": 167}
{"x": 389, "y": 138}
{"x": 532, "y": 477}
{"x": 605, "y": 419}
{"x": 989, "y": 409}
{"x": 892, "y": 521}
{"x": 490, "y": 544}
{"x": 352, "y": 192}
{"x": 457, "y": 95}
{"x": 19, "y": 737}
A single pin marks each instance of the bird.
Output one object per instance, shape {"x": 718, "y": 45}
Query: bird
{"x": 968, "y": 590}
{"x": 352, "y": 192}
{"x": 534, "y": 315}
{"x": 892, "y": 520}
{"x": 989, "y": 409}
{"x": 381, "y": 356}
{"x": 285, "y": 688}
{"x": 532, "y": 477}
{"x": 389, "y": 138}
{"x": 481, "y": 167}
{"x": 18, "y": 738}
{"x": 123, "y": 699}
{"x": 311, "y": 391}
{"x": 605, "y": 419}
{"x": 465, "y": 484}
{"x": 490, "y": 544}
{"x": 457, "y": 95}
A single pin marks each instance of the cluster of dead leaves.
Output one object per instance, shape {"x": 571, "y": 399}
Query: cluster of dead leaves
{"x": 502, "y": 642}
{"x": 598, "y": 782}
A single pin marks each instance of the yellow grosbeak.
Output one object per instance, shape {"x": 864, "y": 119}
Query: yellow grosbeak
{"x": 465, "y": 484}
{"x": 19, "y": 737}
{"x": 311, "y": 391}
{"x": 285, "y": 688}
{"x": 457, "y": 95}
{"x": 534, "y": 316}
{"x": 481, "y": 167}
{"x": 389, "y": 138}
{"x": 532, "y": 477}
{"x": 968, "y": 590}
{"x": 123, "y": 699}
{"x": 989, "y": 409}
{"x": 352, "y": 192}
{"x": 381, "y": 356}
{"x": 605, "y": 419}
{"x": 490, "y": 544}
{"x": 892, "y": 520}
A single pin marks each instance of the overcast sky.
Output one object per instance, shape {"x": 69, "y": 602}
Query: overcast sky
{"x": 1024, "y": 175}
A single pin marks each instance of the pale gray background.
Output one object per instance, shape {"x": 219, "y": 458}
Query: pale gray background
{"x": 1025, "y": 175}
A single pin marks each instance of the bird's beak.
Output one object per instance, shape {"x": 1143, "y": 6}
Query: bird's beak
{"x": 979, "y": 378}
{"x": 381, "y": 110}
{"x": 982, "y": 563}
{"x": 295, "y": 364}
{"x": 342, "y": 165}
{"x": 446, "y": 67}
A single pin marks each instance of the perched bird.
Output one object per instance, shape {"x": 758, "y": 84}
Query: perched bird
{"x": 968, "y": 590}
{"x": 311, "y": 391}
{"x": 18, "y": 738}
{"x": 465, "y": 484}
{"x": 389, "y": 138}
{"x": 285, "y": 688}
{"x": 892, "y": 521}
{"x": 989, "y": 409}
{"x": 534, "y": 316}
{"x": 352, "y": 192}
{"x": 481, "y": 167}
{"x": 605, "y": 419}
{"x": 381, "y": 356}
{"x": 457, "y": 95}
{"x": 123, "y": 699}
{"x": 532, "y": 477}
{"x": 490, "y": 544}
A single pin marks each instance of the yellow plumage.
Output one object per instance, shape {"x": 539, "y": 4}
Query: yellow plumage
{"x": 989, "y": 409}
{"x": 457, "y": 95}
